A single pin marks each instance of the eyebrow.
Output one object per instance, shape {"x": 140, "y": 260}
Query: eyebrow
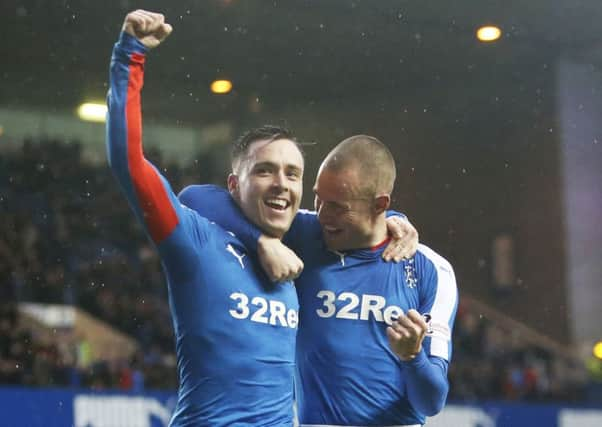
{"x": 264, "y": 164}
{"x": 275, "y": 165}
{"x": 329, "y": 201}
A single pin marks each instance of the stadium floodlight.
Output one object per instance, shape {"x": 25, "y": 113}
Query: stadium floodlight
{"x": 597, "y": 350}
{"x": 489, "y": 33}
{"x": 221, "y": 86}
{"x": 92, "y": 112}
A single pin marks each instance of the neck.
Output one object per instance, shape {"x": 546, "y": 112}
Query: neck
{"x": 375, "y": 238}
{"x": 265, "y": 231}
{"x": 379, "y": 233}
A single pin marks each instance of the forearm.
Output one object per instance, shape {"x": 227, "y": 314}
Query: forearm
{"x": 216, "y": 204}
{"x": 124, "y": 121}
{"x": 390, "y": 213}
{"x": 147, "y": 191}
{"x": 426, "y": 383}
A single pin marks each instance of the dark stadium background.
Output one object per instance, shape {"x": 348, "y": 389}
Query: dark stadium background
{"x": 497, "y": 148}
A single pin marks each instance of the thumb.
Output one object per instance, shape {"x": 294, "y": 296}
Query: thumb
{"x": 164, "y": 31}
{"x": 395, "y": 230}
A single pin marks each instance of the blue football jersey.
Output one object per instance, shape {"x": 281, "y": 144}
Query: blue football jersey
{"x": 347, "y": 373}
{"x": 235, "y": 331}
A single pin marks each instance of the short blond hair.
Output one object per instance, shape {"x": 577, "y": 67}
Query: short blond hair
{"x": 371, "y": 159}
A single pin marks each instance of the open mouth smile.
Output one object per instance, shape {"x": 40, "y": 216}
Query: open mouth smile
{"x": 329, "y": 229}
{"x": 277, "y": 204}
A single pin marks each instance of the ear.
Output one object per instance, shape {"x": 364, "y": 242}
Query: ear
{"x": 382, "y": 203}
{"x": 233, "y": 186}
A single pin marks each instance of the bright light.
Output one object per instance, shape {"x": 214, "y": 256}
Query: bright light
{"x": 92, "y": 112}
{"x": 598, "y": 350}
{"x": 221, "y": 86}
{"x": 489, "y": 33}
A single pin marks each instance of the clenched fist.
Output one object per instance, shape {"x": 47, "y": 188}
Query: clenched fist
{"x": 406, "y": 334}
{"x": 278, "y": 261}
{"x": 148, "y": 27}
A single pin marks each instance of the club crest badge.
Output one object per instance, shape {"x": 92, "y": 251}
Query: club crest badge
{"x": 411, "y": 279}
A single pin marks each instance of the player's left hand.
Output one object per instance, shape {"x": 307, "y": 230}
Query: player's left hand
{"x": 406, "y": 335}
{"x": 278, "y": 261}
{"x": 404, "y": 239}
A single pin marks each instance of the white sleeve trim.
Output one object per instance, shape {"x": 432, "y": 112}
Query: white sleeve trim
{"x": 446, "y": 298}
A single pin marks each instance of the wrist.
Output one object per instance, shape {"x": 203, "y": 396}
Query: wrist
{"x": 264, "y": 239}
{"x": 131, "y": 43}
{"x": 413, "y": 357}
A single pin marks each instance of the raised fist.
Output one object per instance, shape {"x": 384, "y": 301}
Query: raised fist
{"x": 148, "y": 27}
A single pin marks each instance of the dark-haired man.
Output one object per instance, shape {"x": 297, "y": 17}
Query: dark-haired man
{"x": 374, "y": 338}
{"x": 235, "y": 330}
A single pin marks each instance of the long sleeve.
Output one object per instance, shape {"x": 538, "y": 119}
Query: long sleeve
{"x": 426, "y": 375}
{"x": 390, "y": 213}
{"x": 426, "y": 383}
{"x": 148, "y": 193}
{"x": 216, "y": 204}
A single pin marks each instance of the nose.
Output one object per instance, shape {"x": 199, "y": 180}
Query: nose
{"x": 281, "y": 181}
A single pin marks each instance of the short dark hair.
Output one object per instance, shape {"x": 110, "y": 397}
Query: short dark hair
{"x": 240, "y": 147}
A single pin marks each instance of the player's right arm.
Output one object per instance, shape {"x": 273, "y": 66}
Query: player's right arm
{"x": 148, "y": 193}
{"x": 278, "y": 261}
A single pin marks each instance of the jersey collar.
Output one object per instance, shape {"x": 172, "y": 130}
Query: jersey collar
{"x": 364, "y": 253}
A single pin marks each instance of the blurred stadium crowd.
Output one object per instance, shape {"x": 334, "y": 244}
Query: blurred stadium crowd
{"x": 67, "y": 236}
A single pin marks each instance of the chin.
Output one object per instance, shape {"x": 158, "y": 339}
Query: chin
{"x": 274, "y": 230}
{"x": 339, "y": 244}
{"x": 332, "y": 244}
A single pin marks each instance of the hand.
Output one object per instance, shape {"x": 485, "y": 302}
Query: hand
{"x": 406, "y": 335}
{"x": 277, "y": 260}
{"x": 404, "y": 239}
{"x": 148, "y": 27}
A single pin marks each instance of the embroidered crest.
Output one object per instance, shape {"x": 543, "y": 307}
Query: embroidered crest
{"x": 410, "y": 271}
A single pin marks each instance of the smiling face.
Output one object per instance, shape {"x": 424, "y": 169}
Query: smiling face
{"x": 346, "y": 213}
{"x": 268, "y": 184}
{"x": 352, "y": 192}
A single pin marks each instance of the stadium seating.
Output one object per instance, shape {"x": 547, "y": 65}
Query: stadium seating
{"x": 67, "y": 236}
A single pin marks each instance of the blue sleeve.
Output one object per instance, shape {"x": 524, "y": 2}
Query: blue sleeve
{"x": 216, "y": 204}
{"x": 438, "y": 297}
{"x": 304, "y": 230}
{"x": 170, "y": 226}
{"x": 426, "y": 383}
{"x": 426, "y": 375}
{"x": 395, "y": 213}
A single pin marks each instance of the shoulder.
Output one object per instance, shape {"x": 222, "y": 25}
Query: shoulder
{"x": 435, "y": 273}
{"x": 204, "y": 228}
{"x": 218, "y": 234}
{"x": 428, "y": 258}
{"x": 193, "y": 220}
